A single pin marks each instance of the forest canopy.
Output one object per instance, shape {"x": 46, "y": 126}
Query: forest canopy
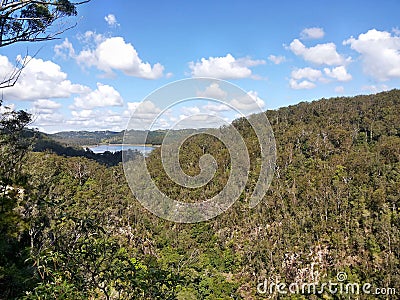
{"x": 70, "y": 227}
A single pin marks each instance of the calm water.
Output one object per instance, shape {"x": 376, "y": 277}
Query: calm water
{"x": 114, "y": 148}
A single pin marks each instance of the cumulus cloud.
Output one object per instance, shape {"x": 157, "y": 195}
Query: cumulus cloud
{"x": 39, "y": 80}
{"x": 45, "y": 106}
{"x": 225, "y": 67}
{"x": 277, "y": 59}
{"x": 321, "y": 54}
{"x": 375, "y": 88}
{"x": 114, "y": 54}
{"x": 104, "y": 95}
{"x": 48, "y": 122}
{"x": 197, "y": 117}
{"x": 249, "y": 102}
{"x": 213, "y": 91}
{"x": 83, "y": 114}
{"x": 305, "y": 84}
{"x": 6, "y": 68}
{"x": 306, "y": 73}
{"x": 338, "y": 73}
{"x": 145, "y": 111}
{"x": 111, "y": 20}
{"x": 65, "y": 49}
{"x": 142, "y": 115}
{"x": 214, "y": 108}
{"x": 90, "y": 37}
{"x": 200, "y": 121}
{"x": 380, "y": 53}
{"x": 97, "y": 119}
{"x": 304, "y": 78}
{"x": 339, "y": 89}
{"x": 46, "y": 114}
{"x": 312, "y": 33}
{"x": 190, "y": 110}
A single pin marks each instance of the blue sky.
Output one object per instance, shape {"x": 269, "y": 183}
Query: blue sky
{"x": 281, "y": 52}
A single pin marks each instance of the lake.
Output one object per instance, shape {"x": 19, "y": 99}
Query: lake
{"x": 118, "y": 147}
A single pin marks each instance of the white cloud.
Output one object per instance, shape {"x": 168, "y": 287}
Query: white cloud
{"x": 310, "y": 75}
{"x": 321, "y": 54}
{"x": 305, "y": 84}
{"x": 277, "y": 59}
{"x": 380, "y": 53}
{"x": 305, "y": 78}
{"x": 104, "y": 95}
{"x": 163, "y": 123}
{"x": 99, "y": 119}
{"x": 47, "y": 121}
{"x": 65, "y": 46}
{"x": 82, "y": 114}
{"x": 307, "y": 73}
{"x": 113, "y": 120}
{"x": 226, "y": 67}
{"x": 213, "y": 91}
{"x": 375, "y": 88}
{"x": 190, "y": 110}
{"x": 142, "y": 115}
{"x": 200, "y": 121}
{"x": 91, "y": 37}
{"x": 338, "y": 73}
{"x": 88, "y": 58}
{"x": 45, "y": 106}
{"x": 46, "y": 114}
{"x": 132, "y": 106}
{"x": 216, "y": 107}
{"x": 249, "y": 102}
{"x": 111, "y": 20}
{"x": 339, "y": 89}
{"x": 145, "y": 110}
{"x": 312, "y": 33}
{"x": 6, "y": 68}
{"x": 7, "y": 108}
{"x": 39, "y": 79}
{"x": 115, "y": 54}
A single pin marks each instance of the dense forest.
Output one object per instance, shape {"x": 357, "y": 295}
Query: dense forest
{"x": 71, "y": 229}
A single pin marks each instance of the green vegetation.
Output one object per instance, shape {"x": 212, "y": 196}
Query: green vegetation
{"x": 44, "y": 143}
{"x": 71, "y": 229}
{"x": 85, "y": 138}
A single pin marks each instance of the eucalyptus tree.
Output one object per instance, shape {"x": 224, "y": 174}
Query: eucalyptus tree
{"x": 33, "y": 21}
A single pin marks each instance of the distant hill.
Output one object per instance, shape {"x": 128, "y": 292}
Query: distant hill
{"x": 46, "y": 143}
{"x": 72, "y": 143}
{"x": 86, "y": 138}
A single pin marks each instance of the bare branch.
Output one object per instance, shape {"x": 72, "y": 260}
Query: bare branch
{"x": 17, "y": 4}
{"x": 32, "y": 21}
{"x": 11, "y": 78}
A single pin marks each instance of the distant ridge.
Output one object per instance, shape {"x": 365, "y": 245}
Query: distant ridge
{"x": 85, "y": 138}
